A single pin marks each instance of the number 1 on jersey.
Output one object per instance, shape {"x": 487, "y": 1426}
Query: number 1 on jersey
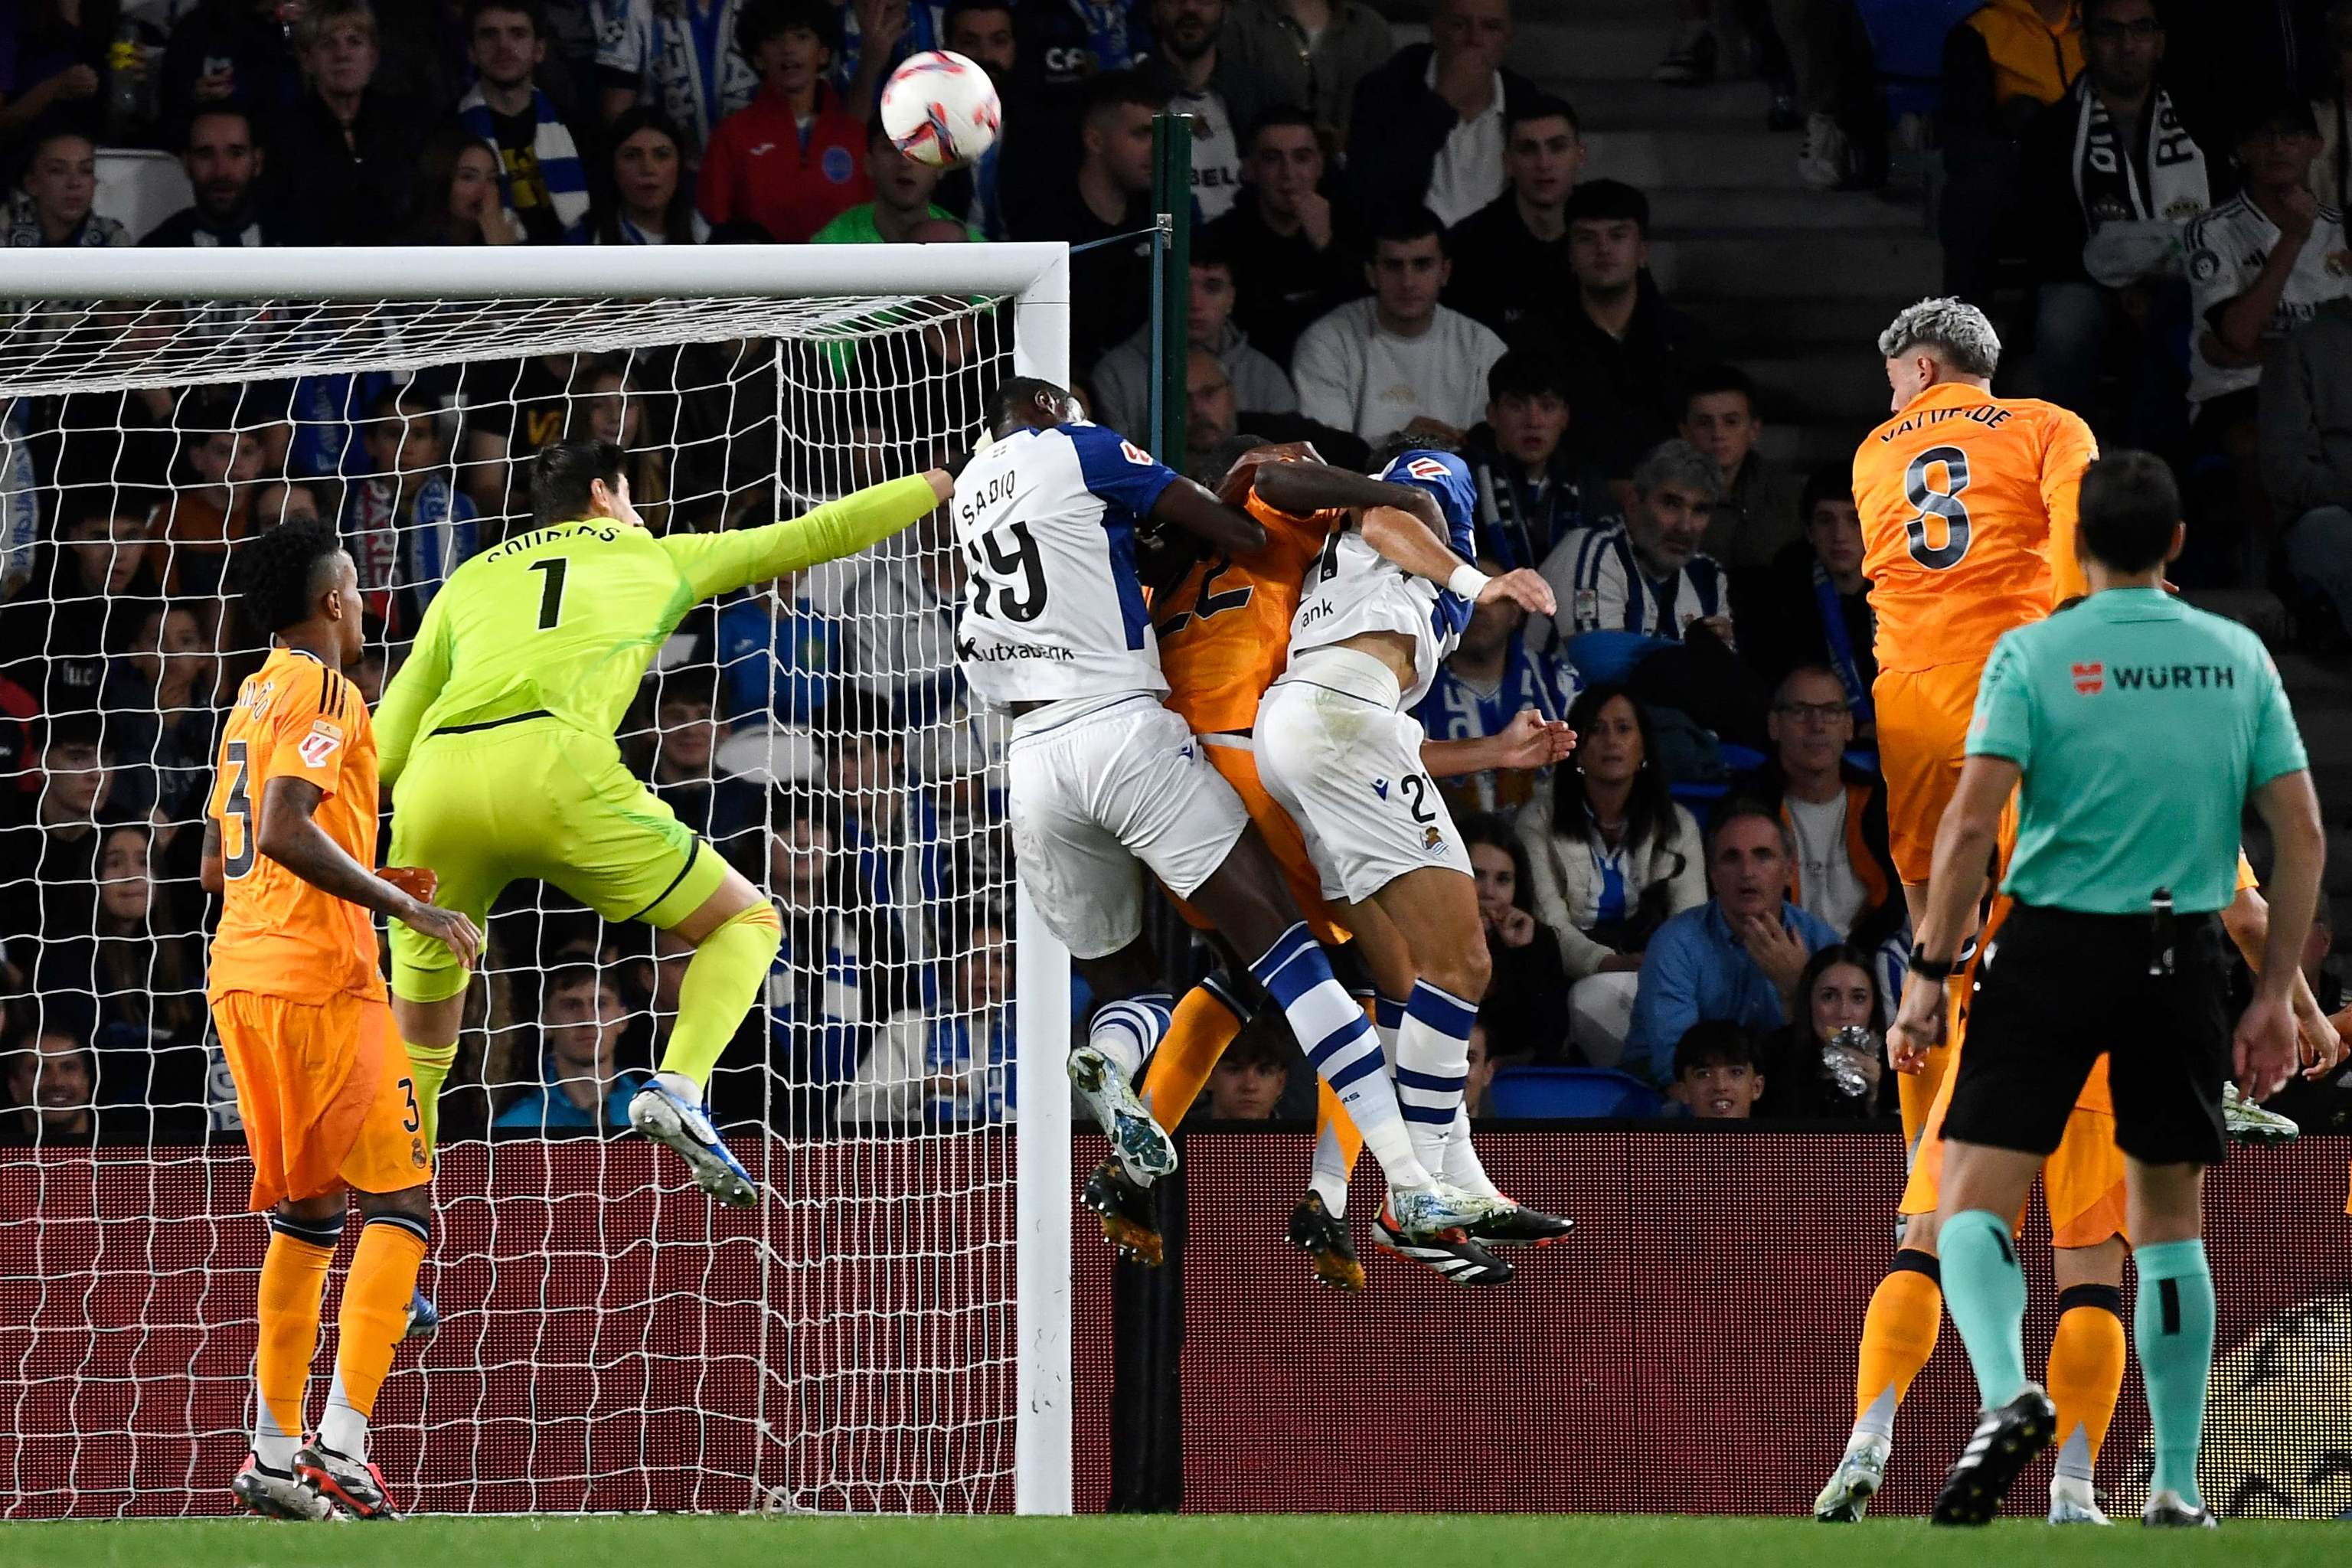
{"x": 551, "y": 593}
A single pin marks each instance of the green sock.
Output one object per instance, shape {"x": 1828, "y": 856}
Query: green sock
{"x": 1985, "y": 1292}
{"x": 430, "y": 1066}
{"x": 721, "y": 981}
{"x": 2172, "y": 1325}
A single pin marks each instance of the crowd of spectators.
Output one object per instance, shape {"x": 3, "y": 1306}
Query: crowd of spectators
{"x": 1387, "y": 239}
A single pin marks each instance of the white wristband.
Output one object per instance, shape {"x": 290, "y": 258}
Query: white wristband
{"x": 1468, "y": 582}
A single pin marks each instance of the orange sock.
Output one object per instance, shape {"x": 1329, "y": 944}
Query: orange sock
{"x": 1898, "y": 1335}
{"x": 1338, "y": 1146}
{"x": 2086, "y": 1373}
{"x": 293, "y": 1281}
{"x": 1205, "y": 1024}
{"x": 374, "y": 1316}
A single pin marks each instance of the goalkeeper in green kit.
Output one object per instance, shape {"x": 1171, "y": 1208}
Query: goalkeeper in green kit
{"x": 497, "y": 737}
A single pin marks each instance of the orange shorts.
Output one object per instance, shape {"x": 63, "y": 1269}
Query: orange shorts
{"x": 325, "y": 1093}
{"x": 1923, "y": 734}
{"x": 1238, "y": 764}
{"x": 2081, "y": 1183}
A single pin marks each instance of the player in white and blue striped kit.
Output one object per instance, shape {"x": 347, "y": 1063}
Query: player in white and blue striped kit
{"x": 1338, "y": 748}
{"x": 1103, "y": 775}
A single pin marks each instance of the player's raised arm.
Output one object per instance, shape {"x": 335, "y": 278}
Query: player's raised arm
{"x": 1398, "y": 536}
{"x": 411, "y": 692}
{"x": 1194, "y": 509}
{"x": 717, "y": 563}
{"x": 2070, "y": 451}
{"x": 1303, "y": 488}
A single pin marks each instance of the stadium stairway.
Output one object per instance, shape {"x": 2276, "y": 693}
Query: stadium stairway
{"x": 1794, "y": 283}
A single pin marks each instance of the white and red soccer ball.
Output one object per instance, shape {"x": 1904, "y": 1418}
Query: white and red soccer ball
{"x": 941, "y": 108}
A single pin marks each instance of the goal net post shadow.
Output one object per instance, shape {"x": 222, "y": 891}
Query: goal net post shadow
{"x": 890, "y": 1330}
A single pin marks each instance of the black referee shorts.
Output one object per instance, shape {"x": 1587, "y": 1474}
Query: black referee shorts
{"x": 2055, "y": 990}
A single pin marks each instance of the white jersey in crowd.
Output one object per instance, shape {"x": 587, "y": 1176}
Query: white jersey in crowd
{"x": 1351, "y": 589}
{"x": 1600, "y": 586}
{"x": 1046, "y": 521}
{"x": 2227, "y": 248}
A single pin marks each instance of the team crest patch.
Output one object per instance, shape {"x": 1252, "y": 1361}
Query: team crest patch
{"x": 1432, "y": 840}
{"x": 2090, "y": 679}
{"x": 319, "y": 744}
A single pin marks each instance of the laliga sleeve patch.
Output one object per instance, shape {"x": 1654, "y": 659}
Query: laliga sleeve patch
{"x": 2204, "y": 266}
{"x": 323, "y": 742}
{"x": 1135, "y": 454}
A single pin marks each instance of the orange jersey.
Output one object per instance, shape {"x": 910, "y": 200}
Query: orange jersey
{"x": 278, "y": 935}
{"x": 1224, "y": 630}
{"x": 1967, "y": 505}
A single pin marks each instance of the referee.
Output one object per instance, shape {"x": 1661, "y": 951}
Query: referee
{"x": 2133, "y": 730}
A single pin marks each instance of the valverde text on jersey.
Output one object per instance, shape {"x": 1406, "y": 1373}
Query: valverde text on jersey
{"x": 1992, "y": 416}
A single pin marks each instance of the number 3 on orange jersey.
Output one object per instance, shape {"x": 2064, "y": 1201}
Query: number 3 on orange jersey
{"x": 1934, "y": 502}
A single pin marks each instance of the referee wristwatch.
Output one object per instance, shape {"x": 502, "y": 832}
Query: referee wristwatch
{"x": 1931, "y": 969}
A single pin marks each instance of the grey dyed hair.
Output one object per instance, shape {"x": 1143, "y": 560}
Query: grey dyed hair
{"x": 1956, "y": 329}
{"x": 1678, "y": 463}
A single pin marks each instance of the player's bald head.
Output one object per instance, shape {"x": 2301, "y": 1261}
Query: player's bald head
{"x": 1028, "y": 400}
{"x": 1952, "y": 331}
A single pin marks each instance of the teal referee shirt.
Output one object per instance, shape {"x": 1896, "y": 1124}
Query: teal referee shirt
{"x": 2141, "y": 726}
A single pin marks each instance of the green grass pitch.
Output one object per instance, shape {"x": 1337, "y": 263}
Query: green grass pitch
{"x": 1257, "y": 1541}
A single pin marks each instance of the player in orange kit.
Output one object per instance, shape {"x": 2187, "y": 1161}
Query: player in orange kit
{"x": 323, "y": 1084}
{"x": 1224, "y": 630}
{"x": 1969, "y": 506}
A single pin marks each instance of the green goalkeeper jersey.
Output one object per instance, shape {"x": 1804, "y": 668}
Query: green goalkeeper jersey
{"x": 564, "y": 619}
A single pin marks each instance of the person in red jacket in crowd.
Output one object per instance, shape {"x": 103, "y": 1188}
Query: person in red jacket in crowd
{"x": 796, "y": 155}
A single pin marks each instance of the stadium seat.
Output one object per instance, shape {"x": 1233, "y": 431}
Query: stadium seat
{"x": 139, "y": 187}
{"x": 1700, "y": 793}
{"x": 1607, "y": 659}
{"x": 1560, "y": 1092}
{"x": 770, "y": 754}
{"x": 1906, "y": 37}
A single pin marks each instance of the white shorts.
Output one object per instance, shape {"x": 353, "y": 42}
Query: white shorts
{"x": 1336, "y": 753}
{"x": 1093, "y": 793}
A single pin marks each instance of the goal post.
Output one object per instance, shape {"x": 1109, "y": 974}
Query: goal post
{"x": 891, "y": 1330}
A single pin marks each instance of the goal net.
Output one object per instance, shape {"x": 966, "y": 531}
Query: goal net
{"x": 886, "y": 1331}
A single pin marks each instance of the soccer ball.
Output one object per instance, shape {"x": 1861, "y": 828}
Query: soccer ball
{"x": 941, "y": 108}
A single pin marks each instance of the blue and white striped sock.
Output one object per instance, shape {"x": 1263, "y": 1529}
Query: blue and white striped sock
{"x": 1127, "y": 1030}
{"x": 1433, "y": 1063}
{"x": 1388, "y": 1018}
{"x": 1338, "y": 1040}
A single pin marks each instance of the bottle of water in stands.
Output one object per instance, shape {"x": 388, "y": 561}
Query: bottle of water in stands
{"x": 1841, "y": 1064}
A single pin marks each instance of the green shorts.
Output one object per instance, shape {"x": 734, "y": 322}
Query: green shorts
{"x": 536, "y": 799}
